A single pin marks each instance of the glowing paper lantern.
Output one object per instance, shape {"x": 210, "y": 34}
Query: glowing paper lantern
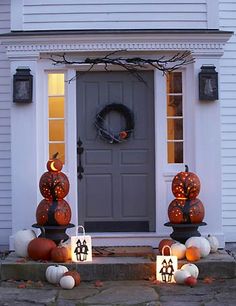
{"x": 166, "y": 267}
{"x": 81, "y": 247}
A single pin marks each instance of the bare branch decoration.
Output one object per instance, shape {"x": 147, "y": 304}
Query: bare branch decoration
{"x": 132, "y": 65}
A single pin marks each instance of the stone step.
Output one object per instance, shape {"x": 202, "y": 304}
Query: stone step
{"x": 218, "y": 265}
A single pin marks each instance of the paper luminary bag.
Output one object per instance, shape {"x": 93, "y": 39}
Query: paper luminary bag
{"x": 81, "y": 247}
{"x": 166, "y": 267}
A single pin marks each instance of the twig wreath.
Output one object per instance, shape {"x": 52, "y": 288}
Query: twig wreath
{"x": 106, "y": 133}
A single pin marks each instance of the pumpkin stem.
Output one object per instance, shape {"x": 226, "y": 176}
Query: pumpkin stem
{"x": 186, "y": 168}
{"x": 55, "y": 155}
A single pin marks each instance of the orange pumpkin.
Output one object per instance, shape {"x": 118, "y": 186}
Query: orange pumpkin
{"x": 54, "y": 164}
{"x": 75, "y": 275}
{"x": 163, "y": 243}
{"x": 186, "y": 185}
{"x": 192, "y": 254}
{"x": 186, "y": 211}
{"x": 55, "y": 212}
{"x": 40, "y": 248}
{"x": 54, "y": 185}
{"x": 59, "y": 254}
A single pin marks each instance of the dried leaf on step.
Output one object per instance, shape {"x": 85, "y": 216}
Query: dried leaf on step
{"x": 21, "y": 286}
{"x": 208, "y": 280}
{"x": 98, "y": 283}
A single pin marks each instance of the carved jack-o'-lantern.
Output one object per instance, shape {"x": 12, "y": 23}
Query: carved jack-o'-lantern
{"x": 186, "y": 185}
{"x": 186, "y": 211}
{"x": 54, "y": 164}
{"x": 53, "y": 212}
{"x": 54, "y": 185}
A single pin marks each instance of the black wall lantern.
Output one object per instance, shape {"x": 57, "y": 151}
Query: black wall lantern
{"x": 208, "y": 83}
{"x": 22, "y": 85}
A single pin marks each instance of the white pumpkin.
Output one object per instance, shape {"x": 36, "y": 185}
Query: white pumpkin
{"x": 21, "y": 240}
{"x": 181, "y": 275}
{"x": 178, "y": 250}
{"x": 67, "y": 282}
{"x": 201, "y": 243}
{"x": 54, "y": 273}
{"x": 214, "y": 243}
{"x": 192, "y": 269}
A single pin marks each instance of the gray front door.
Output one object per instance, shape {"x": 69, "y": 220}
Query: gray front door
{"x": 116, "y": 185}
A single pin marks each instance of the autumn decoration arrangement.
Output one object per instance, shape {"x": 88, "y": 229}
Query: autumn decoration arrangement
{"x": 54, "y": 211}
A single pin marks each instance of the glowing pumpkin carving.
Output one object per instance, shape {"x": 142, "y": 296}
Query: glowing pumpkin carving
{"x": 186, "y": 185}
{"x": 54, "y": 164}
{"x": 55, "y": 212}
{"x": 186, "y": 211}
{"x": 54, "y": 185}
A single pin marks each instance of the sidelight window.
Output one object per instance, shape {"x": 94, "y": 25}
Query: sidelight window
{"x": 56, "y": 114}
{"x": 175, "y": 137}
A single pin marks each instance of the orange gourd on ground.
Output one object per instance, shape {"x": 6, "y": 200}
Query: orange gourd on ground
{"x": 192, "y": 254}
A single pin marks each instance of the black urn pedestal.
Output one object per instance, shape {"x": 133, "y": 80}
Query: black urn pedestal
{"x": 57, "y": 233}
{"x": 181, "y": 232}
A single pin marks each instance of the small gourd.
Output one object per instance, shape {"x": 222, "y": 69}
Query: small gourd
{"x": 178, "y": 250}
{"x": 180, "y": 276}
{"x": 67, "y": 282}
{"x": 201, "y": 243}
{"x": 191, "y": 268}
{"x": 214, "y": 243}
{"x": 192, "y": 253}
{"x": 54, "y": 273}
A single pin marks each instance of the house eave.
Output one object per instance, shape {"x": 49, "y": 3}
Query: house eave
{"x": 34, "y": 43}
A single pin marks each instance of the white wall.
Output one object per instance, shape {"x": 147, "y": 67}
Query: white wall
{"x": 228, "y": 120}
{"x": 5, "y": 146}
{"x": 113, "y": 14}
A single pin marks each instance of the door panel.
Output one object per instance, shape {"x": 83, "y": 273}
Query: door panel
{"x": 116, "y": 192}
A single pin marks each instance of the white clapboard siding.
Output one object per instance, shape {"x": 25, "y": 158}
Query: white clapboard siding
{"x": 111, "y": 14}
{"x": 227, "y": 16}
{"x": 5, "y": 155}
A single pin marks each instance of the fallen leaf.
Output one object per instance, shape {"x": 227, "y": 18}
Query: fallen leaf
{"x": 21, "y": 286}
{"x": 98, "y": 283}
{"x": 208, "y": 280}
{"x": 156, "y": 282}
{"x": 21, "y": 260}
{"x": 152, "y": 278}
{"x": 39, "y": 284}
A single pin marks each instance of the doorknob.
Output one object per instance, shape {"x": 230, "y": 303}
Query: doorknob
{"x": 80, "y": 151}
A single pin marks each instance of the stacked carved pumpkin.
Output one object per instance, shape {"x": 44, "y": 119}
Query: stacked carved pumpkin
{"x": 186, "y": 207}
{"x": 54, "y": 186}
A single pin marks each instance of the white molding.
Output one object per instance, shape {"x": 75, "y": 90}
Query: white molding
{"x": 205, "y": 43}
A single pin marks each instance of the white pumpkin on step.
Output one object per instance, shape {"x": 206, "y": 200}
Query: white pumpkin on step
{"x": 181, "y": 275}
{"x": 178, "y": 250}
{"x": 201, "y": 243}
{"x": 191, "y": 268}
{"x": 214, "y": 243}
{"x": 21, "y": 240}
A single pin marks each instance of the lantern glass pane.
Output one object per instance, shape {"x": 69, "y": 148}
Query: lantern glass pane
{"x": 56, "y": 107}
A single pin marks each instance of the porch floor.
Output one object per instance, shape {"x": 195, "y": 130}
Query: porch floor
{"x": 219, "y": 265}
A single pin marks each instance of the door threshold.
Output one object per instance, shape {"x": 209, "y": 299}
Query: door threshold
{"x": 126, "y": 239}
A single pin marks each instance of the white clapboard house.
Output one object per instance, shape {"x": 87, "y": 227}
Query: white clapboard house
{"x": 119, "y": 191}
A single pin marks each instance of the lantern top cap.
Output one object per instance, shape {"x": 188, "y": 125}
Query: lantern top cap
{"x": 208, "y": 68}
{"x": 23, "y": 70}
